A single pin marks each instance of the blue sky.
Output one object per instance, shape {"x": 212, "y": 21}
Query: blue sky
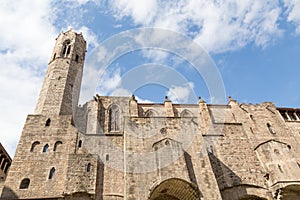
{"x": 253, "y": 44}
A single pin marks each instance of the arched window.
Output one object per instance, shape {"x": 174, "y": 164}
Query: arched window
{"x": 48, "y": 122}
{"x": 186, "y": 113}
{"x": 66, "y": 48}
{"x": 114, "y": 118}
{"x": 45, "y": 149}
{"x": 56, "y": 145}
{"x": 79, "y": 143}
{"x": 88, "y": 168}
{"x": 51, "y": 173}
{"x": 25, "y": 183}
{"x": 77, "y": 58}
{"x": 34, "y": 145}
{"x": 150, "y": 113}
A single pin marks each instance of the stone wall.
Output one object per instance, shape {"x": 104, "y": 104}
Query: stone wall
{"x": 114, "y": 148}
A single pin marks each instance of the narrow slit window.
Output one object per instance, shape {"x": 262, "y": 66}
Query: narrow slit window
{"x": 79, "y": 143}
{"x": 51, "y": 173}
{"x": 88, "y": 168}
{"x": 270, "y": 128}
{"x": 45, "y": 149}
{"x": 48, "y": 122}
{"x": 280, "y": 169}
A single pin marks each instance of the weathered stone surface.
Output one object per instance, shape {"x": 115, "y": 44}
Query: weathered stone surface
{"x": 115, "y": 148}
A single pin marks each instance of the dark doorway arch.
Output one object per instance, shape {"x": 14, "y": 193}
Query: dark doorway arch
{"x": 175, "y": 189}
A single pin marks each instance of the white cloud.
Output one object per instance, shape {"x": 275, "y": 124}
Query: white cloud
{"x": 181, "y": 94}
{"x": 141, "y": 100}
{"x": 26, "y": 42}
{"x": 82, "y": 2}
{"x": 121, "y": 92}
{"x": 143, "y": 11}
{"x": 293, "y": 12}
{"x": 217, "y": 25}
{"x": 109, "y": 81}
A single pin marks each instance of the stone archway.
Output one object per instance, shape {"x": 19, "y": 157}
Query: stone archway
{"x": 251, "y": 197}
{"x": 289, "y": 192}
{"x": 175, "y": 189}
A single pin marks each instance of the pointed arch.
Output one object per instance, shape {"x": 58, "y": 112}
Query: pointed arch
{"x": 114, "y": 118}
{"x": 186, "y": 113}
{"x": 34, "y": 145}
{"x": 24, "y": 183}
{"x": 150, "y": 113}
{"x": 272, "y": 140}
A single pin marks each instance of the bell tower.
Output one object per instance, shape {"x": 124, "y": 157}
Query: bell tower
{"x": 61, "y": 87}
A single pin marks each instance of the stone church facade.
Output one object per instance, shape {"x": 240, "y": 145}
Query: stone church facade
{"x": 115, "y": 148}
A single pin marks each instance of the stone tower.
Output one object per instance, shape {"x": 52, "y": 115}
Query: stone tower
{"x": 60, "y": 91}
{"x": 46, "y": 157}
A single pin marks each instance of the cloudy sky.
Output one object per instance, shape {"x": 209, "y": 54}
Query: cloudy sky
{"x": 254, "y": 45}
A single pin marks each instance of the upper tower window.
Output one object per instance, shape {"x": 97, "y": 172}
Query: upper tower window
{"x": 66, "y": 48}
{"x": 25, "y": 183}
{"x": 88, "y": 168}
{"x": 51, "y": 173}
{"x": 114, "y": 118}
{"x": 56, "y": 145}
{"x": 48, "y": 122}
{"x": 45, "y": 149}
{"x": 34, "y": 145}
